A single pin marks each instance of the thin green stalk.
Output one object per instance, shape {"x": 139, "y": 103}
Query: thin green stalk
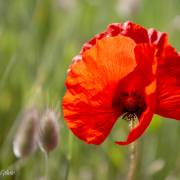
{"x": 69, "y": 156}
{"x": 46, "y": 167}
{"x": 133, "y": 155}
{"x": 7, "y": 71}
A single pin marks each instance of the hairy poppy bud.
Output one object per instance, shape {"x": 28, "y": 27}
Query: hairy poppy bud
{"x": 49, "y": 130}
{"x": 25, "y": 141}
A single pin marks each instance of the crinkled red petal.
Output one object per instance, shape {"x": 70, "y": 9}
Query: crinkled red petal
{"x": 168, "y": 78}
{"x": 87, "y": 104}
{"x": 138, "y": 33}
{"x": 145, "y": 53}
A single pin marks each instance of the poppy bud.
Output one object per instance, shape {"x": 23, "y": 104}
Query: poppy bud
{"x": 49, "y": 130}
{"x": 25, "y": 141}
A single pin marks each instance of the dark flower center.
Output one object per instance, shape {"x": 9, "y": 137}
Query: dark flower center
{"x": 130, "y": 103}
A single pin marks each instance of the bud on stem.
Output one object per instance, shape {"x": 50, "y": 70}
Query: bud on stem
{"x": 25, "y": 141}
{"x": 49, "y": 130}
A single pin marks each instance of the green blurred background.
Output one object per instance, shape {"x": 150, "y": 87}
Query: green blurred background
{"x": 38, "y": 39}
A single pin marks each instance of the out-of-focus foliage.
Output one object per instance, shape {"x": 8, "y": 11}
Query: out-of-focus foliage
{"x": 38, "y": 39}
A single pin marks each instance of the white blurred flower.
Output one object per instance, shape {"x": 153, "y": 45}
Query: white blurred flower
{"x": 66, "y": 4}
{"x": 128, "y": 8}
{"x": 171, "y": 177}
{"x": 175, "y": 24}
{"x": 155, "y": 166}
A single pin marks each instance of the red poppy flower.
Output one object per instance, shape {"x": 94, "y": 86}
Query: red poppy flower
{"x": 123, "y": 70}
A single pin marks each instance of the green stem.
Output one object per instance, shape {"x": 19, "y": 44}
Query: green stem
{"x": 69, "y": 156}
{"x": 46, "y": 165}
{"x": 133, "y": 155}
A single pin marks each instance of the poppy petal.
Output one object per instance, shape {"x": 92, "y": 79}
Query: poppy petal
{"x": 160, "y": 39}
{"x": 146, "y": 61}
{"x": 147, "y": 65}
{"x": 168, "y": 76}
{"x": 138, "y": 33}
{"x": 87, "y": 104}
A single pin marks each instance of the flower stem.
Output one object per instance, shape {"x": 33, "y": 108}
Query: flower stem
{"x": 133, "y": 154}
{"x": 69, "y": 156}
{"x": 46, "y": 168}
